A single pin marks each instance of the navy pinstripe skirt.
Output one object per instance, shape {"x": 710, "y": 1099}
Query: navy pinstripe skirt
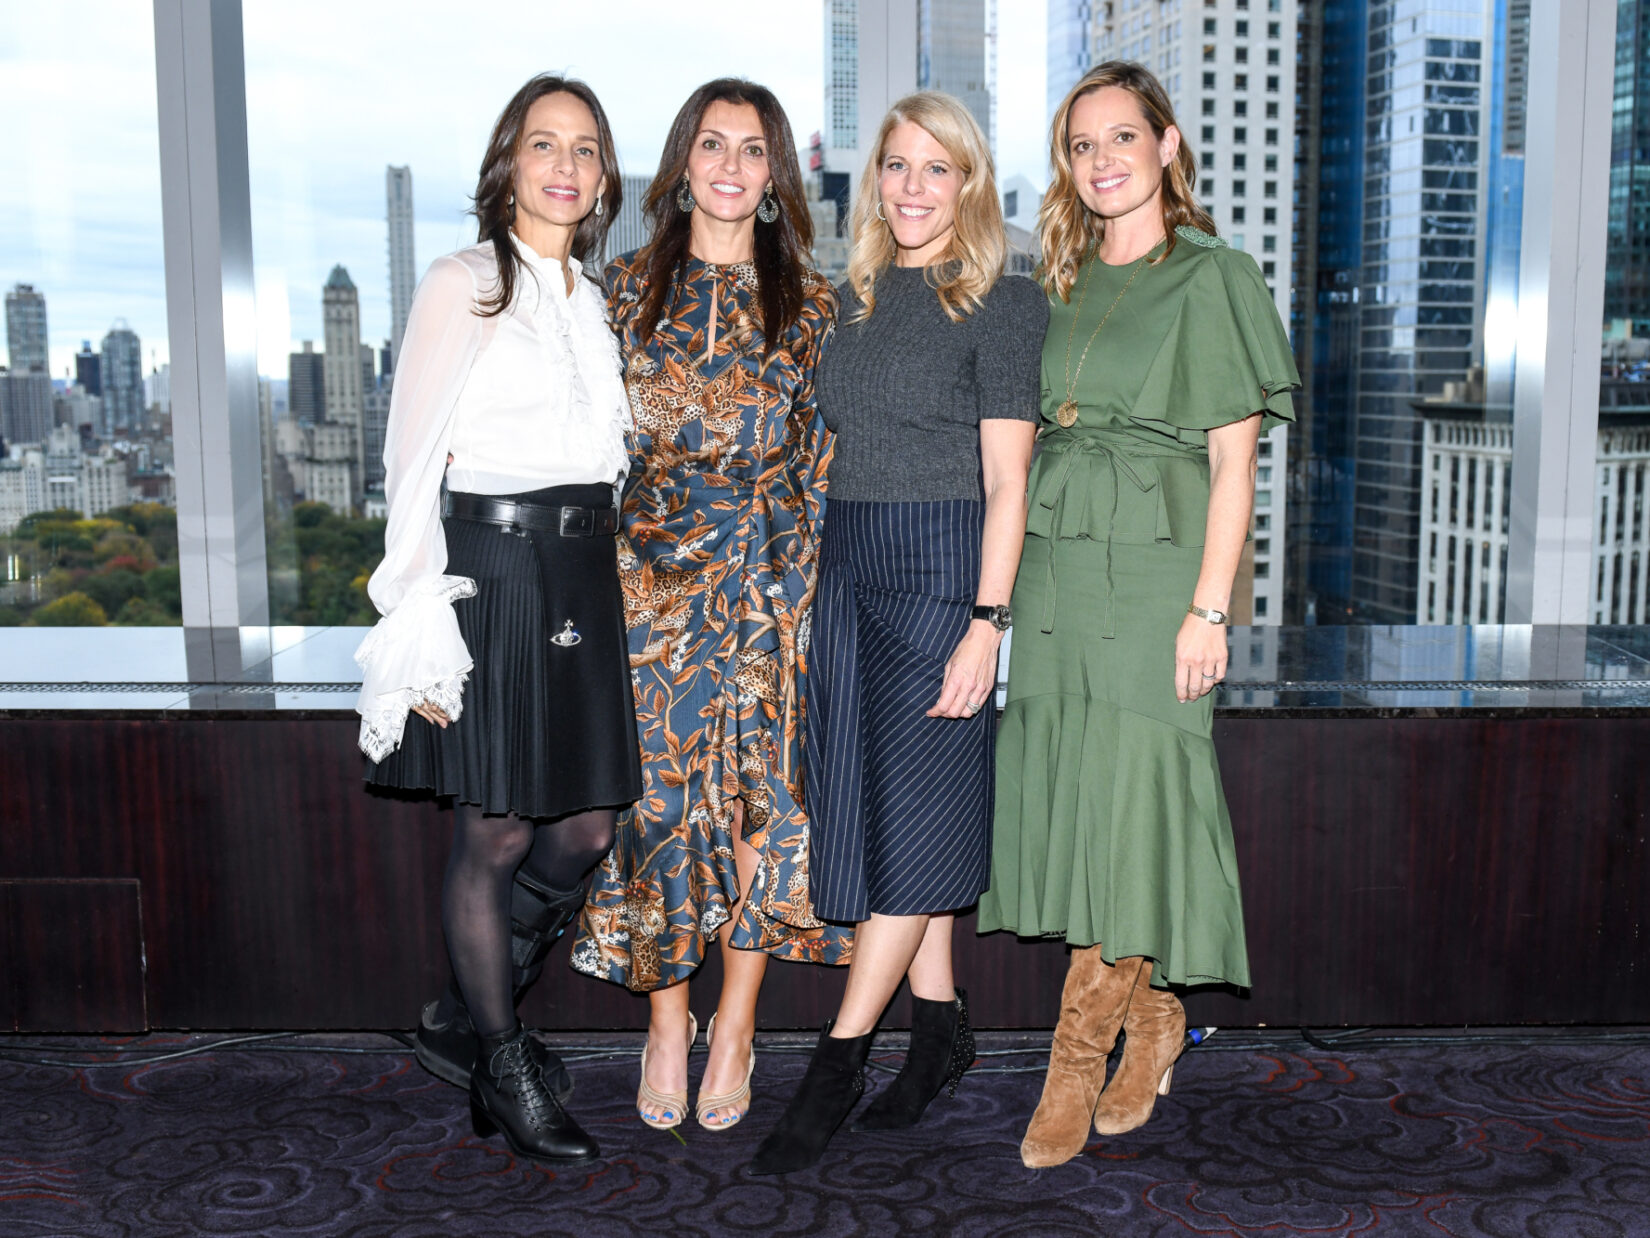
{"x": 900, "y": 803}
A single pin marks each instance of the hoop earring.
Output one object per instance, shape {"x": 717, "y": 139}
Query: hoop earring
{"x": 684, "y": 197}
{"x": 880, "y": 215}
{"x": 769, "y": 210}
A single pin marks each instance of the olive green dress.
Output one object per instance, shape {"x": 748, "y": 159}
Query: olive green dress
{"x": 1110, "y": 823}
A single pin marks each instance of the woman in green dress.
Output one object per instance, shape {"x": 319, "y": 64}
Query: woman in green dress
{"x": 1164, "y": 362}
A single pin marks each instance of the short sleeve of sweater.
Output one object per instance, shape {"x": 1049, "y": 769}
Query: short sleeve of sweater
{"x": 1008, "y": 360}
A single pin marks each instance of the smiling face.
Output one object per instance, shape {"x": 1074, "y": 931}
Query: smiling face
{"x": 559, "y": 165}
{"x": 727, "y": 167}
{"x": 919, "y": 186}
{"x": 1116, "y": 160}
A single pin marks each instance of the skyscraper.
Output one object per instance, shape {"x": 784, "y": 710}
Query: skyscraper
{"x": 398, "y": 213}
{"x": 1627, "y": 275}
{"x": 629, "y": 229}
{"x": 841, "y": 136}
{"x": 341, "y": 359}
{"x": 306, "y": 386}
{"x": 121, "y": 373}
{"x": 26, "y": 330}
{"x": 956, "y": 53}
{"x": 1420, "y": 295}
{"x": 1069, "y": 49}
{"x": 88, "y": 369}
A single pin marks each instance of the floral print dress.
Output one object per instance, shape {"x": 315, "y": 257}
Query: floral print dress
{"x": 717, "y": 556}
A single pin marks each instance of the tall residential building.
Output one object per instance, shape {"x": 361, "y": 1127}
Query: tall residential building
{"x": 25, "y": 406}
{"x": 121, "y": 373}
{"x": 1627, "y": 275}
{"x": 26, "y": 330}
{"x": 1421, "y": 302}
{"x": 629, "y": 228}
{"x": 1229, "y": 68}
{"x": 841, "y": 135}
{"x": 341, "y": 359}
{"x": 306, "y": 385}
{"x": 956, "y": 53}
{"x": 398, "y": 214}
{"x": 1069, "y": 46}
{"x": 88, "y": 369}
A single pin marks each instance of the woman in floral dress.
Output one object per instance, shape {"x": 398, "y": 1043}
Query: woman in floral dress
{"x": 721, "y": 323}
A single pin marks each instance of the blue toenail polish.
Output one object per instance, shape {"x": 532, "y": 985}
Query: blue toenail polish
{"x": 667, "y": 1115}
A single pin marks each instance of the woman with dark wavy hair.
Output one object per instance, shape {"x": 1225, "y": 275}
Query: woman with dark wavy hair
{"x": 503, "y": 632}
{"x": 1165, "y": 360}
{"x": 721, "y": 323}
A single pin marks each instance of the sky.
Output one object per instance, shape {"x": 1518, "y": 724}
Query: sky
{"x": 338, "y": 89}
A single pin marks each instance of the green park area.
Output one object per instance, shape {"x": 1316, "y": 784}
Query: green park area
{"x": 59, "y": 569}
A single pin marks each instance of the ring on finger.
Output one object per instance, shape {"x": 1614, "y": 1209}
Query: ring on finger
{"x": 1210, "y": 675}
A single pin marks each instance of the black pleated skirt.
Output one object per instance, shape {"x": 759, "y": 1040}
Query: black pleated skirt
{"x": 548, "y": 728}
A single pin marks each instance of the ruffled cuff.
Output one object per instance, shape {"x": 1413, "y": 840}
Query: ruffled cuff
{"x": 414, "y": 655}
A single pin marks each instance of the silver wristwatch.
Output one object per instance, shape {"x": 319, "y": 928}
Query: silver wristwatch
{"x": 1213, "y": 616}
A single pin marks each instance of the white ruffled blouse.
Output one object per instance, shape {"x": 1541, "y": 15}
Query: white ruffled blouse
{"x": 530, "y": 398}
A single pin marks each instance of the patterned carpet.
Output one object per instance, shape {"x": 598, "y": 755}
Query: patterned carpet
{"x": 1389, "y": 1135}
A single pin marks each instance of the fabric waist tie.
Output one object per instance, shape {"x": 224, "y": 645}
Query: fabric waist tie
{"x": 1053, "y": 497}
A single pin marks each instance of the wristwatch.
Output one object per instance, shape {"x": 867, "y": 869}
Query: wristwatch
{"x": 997, "y": 616}
{"x": 1213, "y": 616}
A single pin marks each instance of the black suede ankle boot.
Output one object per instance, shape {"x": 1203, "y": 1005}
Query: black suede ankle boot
{"x": 508, "y": 1095}
{"x": 832, "y": 1087}
{"x": 446, "y": 1047}
{"x": 942, "y": 1048}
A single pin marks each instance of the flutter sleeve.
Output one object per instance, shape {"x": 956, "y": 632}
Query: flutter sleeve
{"x": 415, "y": 653}
{"x": 1226, "y": 357}
{"x": 1008, "y": 364}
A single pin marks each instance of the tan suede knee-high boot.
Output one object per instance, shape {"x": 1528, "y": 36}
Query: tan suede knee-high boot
{"x": 1156, "y": 1027}
{"x": 1092, "y": 1004}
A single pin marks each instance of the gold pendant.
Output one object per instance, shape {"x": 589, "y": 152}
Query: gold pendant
{"x": 1066, "y": 414}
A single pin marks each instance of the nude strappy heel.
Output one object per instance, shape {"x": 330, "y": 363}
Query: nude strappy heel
{"x": 673, "y": 1103}
{"x": 741, "y": 1095}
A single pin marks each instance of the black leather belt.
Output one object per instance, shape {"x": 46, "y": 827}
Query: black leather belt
{"x": 567, "y": 521}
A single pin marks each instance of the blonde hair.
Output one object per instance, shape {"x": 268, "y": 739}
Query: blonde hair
{"x": 1067, "y": 228}
{"x": 974, "y": 258}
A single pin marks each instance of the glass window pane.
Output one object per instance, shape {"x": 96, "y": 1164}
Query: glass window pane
{"x": 345, "y": 216}
{"x": 88, "y": 531}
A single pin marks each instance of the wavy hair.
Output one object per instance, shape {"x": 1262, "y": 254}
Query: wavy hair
{"x": 494, "y": 206}
{"x": 1067, "y": 228}
{"x": 973, "y": 259}
{"x": 780, "y": 250}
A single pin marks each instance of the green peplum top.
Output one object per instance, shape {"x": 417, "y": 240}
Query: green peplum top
{"x": 1195, "y": 343}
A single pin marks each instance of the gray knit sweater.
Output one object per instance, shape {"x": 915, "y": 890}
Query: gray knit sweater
{"x": 905, "y": 391}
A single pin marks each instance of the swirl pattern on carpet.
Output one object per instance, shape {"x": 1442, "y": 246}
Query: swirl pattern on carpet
{"x": 1504, "y": 1139}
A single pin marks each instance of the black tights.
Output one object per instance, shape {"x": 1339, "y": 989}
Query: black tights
{"x": 475, "y": 901}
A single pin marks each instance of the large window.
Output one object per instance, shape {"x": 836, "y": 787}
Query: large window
{"x": 361, "y": 174}
{"x": 88, "y": 534}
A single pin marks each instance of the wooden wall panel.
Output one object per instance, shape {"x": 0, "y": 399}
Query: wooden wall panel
{"x": 1396, "y": 871}
{"x": 71, "y": 956}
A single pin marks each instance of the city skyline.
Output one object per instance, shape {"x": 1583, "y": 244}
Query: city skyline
{"x": 87, "y": 232}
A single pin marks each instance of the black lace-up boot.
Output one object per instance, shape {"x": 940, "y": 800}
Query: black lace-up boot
{"x": 942, "y": 1048}
{"x": 508, "y": 1095}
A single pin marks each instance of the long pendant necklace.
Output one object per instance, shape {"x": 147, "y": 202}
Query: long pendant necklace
{"x": 1066, "y": 413}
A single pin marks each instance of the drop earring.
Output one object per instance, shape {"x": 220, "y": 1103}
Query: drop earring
{"x": 769, "y": 210}
{"x": 598, "y": 208}
{"x": 684, "y": 197}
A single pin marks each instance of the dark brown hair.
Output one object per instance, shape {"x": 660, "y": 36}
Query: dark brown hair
{"x": 1068, "y": 227}
{"x": 781, "y": 248}
{"x": 494, "y": 207}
